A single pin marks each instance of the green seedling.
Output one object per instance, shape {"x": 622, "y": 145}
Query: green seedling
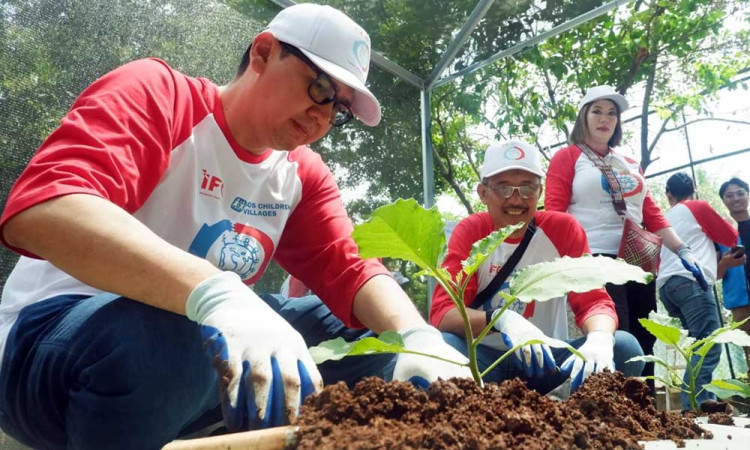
{"x": 668, "y": 330}
{"x": 407, "y": 231}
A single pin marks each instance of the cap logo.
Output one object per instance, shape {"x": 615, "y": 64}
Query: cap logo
{"x": 515, "y": 153}
{"x": 361, "y": 54}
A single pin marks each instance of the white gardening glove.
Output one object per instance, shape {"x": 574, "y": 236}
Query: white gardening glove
{"x": 422, "y": 370}
{"x": 264, "y": 367}
{"x": 598, "y": 349}
{"x": 535, "y": 359}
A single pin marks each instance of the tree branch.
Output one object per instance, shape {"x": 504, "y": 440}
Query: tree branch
{"x": 703, "y": 119}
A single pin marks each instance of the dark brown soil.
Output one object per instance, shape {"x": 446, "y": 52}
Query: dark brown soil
{"x": 609, "y": 412}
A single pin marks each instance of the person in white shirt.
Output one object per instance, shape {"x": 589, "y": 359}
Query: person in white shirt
{"x": 700, "y": 227}
{"x": 510, "y": 187}
{"x": 575, "y": 184}
{"x": 145, "y": 219}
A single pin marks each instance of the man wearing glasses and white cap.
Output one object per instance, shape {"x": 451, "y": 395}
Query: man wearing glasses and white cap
{"x": 510, "y": 187}
{"x": 146, "y": 217}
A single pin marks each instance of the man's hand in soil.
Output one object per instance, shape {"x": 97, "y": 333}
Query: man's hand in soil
{"x": 598, "y": 349}
{"x": 263, "y": 365}
{"x": 535, "y": 359}
{"x": 422, "y": 370}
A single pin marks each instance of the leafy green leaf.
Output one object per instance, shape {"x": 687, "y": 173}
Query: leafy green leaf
{"x": 336, "y": 349}
{"x": 665, "y": 333}
{"x": 556, "y": 278}
{"x": 404, "y": 230}
{"x": 728, "y": 388}
{"x": 482, "y": 249}
{"x": 735, "y": 336}
{"x": 651, "y": 359}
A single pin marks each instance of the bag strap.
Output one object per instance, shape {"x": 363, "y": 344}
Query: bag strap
{"x": 508, "y": 267}
{"x": 615, "y": 190}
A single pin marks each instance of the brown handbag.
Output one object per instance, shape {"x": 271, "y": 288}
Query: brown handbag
{"x": 638, "y": 246}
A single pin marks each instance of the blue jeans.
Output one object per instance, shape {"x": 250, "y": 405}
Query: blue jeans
{"x": 626, "y": 347}
{"x": 106, "y": 372}
{"x": 696, "y": 309}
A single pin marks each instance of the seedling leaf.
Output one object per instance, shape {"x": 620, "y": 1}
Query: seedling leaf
{"x": 404, "y": 230}
{"x": 483, "y": 248}
{"x": 336, "y": 349}
{"x": 665, "y": 333}
{"x": 728, "y": 388}
{"x": 736, "y": 337}
{"x": 556, "y": 278}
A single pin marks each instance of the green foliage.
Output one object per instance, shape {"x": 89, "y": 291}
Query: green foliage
{"x": 552, "y": 279}
{"x": 668, "y": 330}
{"x": 728, "y": 388}
{"x": 406, "y": 230}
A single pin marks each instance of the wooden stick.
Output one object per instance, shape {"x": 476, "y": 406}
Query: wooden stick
{"x": 279, "y": 438}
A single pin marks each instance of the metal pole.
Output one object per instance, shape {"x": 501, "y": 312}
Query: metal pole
{"x": 721, "y": 322}
{"x": 583, "y": 18}
{"x": 690, "y": 153}
{"x": 428, "y": 179}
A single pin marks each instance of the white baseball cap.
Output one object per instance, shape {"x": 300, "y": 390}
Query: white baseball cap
{"x": 336, "y": 44}
{"x": 508, "y": 155}
{"x": 604, "y": 92}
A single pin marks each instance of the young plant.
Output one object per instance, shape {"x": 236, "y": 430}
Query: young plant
{"x": 668, "y": 330}
{"x": 407, "y": 231}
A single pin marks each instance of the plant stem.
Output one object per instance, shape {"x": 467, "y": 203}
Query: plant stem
{"x": 450, "y": 287}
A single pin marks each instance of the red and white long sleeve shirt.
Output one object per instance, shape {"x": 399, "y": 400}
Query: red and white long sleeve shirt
{"x": 156, "y": 143}
{"x": 557, "y": 235}
{"x": 575, "y": 185}
{"x": 699, "y": 226}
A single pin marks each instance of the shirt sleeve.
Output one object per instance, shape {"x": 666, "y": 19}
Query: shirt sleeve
{"x": 715, "y": 227}
{"x": 466, "y": 233}
{"x": 115, "y": 142}
{"x": 569, "y": 238}
{"x": 653, "y": 218}
{"x": 316, "y": 246}
{"x": 559, "y": 181}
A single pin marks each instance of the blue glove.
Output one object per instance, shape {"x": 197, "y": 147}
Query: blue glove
{"x": 690, "y": 262}
{"x": 263, "y": 365}
{"x": 598, "y": 349}
{"x": 422, "y": 370}
{"x": 534, "y": 359}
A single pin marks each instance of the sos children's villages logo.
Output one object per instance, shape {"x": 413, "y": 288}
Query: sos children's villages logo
{"x": 249, "y": 208}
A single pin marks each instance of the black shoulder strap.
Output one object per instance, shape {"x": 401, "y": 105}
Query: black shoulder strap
{"x": 508, "y": 267}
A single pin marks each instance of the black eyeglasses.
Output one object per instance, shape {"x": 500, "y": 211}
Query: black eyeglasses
{"x": 322, "y": 90}
{"x": 506, "y": 191}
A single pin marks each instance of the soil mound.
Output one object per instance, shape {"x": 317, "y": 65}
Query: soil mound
{"x": 608, "y": 412}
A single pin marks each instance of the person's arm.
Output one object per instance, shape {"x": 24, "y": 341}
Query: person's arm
{"x": 670, "y": 239}
{"x": 381, "y": 305}
{"x": 453, "y": 322}
{"x": 599, "y": 322}
{"x": 727, "y": 261}
{"x": 103, "y": 246}
{"x": 559, "y": 182}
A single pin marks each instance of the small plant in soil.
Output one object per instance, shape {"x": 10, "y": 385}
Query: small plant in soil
{"x": 407, "y": 231}
{"x": 668, "y": 330}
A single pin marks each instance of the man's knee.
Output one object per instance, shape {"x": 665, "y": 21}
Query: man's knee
{"x": 627, "y": 347}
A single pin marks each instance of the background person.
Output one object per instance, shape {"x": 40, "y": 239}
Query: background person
{"x": 162, "y": 196}
{"x": 510, "y": 188}
{"x": 577, "y": 186}
{"x": 734, "y": 270}
{"x": 701, "y": 228}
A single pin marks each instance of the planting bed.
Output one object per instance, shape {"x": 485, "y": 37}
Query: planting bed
{"x": 608, "y": 411}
